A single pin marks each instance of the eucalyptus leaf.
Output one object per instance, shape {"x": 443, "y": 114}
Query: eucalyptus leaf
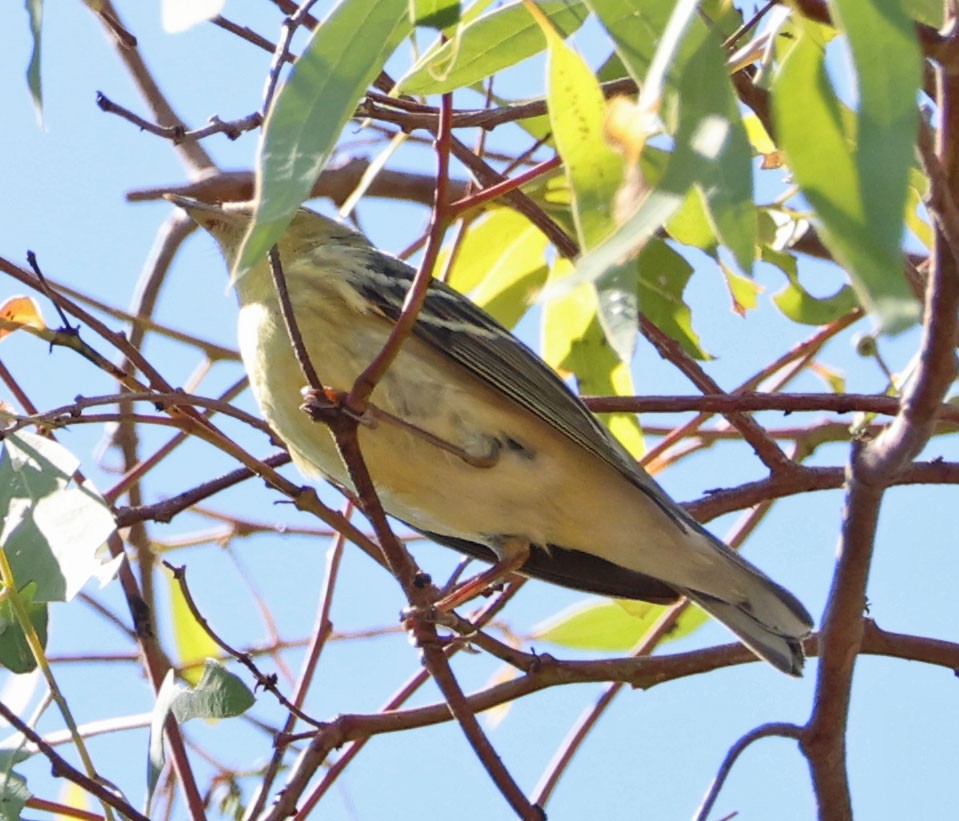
{"x": 492, "y": 42}
{"x": 301, "y": 129}
{"x": 15, "y": 653}
{"x": 50, "y": 527}
{"x": 34, "y": 82}
{"x": 835, "y": 163}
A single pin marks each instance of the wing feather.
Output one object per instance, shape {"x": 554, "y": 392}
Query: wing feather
{"x": 458, "y": 328}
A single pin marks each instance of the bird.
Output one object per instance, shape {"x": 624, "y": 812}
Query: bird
{"x": 484, "y": 448}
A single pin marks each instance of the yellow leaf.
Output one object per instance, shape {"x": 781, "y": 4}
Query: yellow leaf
{"x": 20, "y": 312}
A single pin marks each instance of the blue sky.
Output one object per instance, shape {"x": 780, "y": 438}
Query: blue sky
{"x": 654, "y": 753}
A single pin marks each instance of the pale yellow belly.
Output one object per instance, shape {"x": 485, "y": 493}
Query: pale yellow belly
{"x": 548, "y": 490}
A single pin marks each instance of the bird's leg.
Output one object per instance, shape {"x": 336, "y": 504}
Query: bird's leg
{"x": 321, "y": 406}
{"x": 512, "y": 555}
{"x": 377, "y": 415}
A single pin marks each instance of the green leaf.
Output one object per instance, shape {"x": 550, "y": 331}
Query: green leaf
{"x": 15, "y": 652}
{"x": 573, "y": 341}
{"x": 156, "y": 756}
{"x": 797, "y": 304}
{"x": 635, "y": 27}
{"x": 490, "y": 43}
{"x": 929, "y": 12}
{"x": 663, "y": 275}
{"x": 50, "y": 527}
{"x": 618, "y": 308}
{"x": 345, "y": 54}
{"x": 860, "y": 207}
{"x": 193, "y": 643}
{"x": 705, "y": 94}
{"x": 13, "y": 795}
{"x": 219, "y": 694}
{"x": 501, "y": 264}
{"x": 595, "y": 172}
{"x": 616, "y": 625}
{"x": 701, "y": 136}
{"x": 597, "y": 625}
{"x": 577, "y": 111}
{"x": 915, "y": 208}
{"x": 35, "y": 12}
{"x": 690, "y": 224}
{"x": 727, "y": 178}
{"x": 438, "y": 14}
{"x": 743, "y": 290}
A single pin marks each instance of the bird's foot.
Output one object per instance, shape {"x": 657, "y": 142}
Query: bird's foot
{"x": 328, "y": 404}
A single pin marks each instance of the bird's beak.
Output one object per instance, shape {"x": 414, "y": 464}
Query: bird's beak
{"x": 207, "y": 215}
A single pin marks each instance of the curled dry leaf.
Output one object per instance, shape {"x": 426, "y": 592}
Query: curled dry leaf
{"x": 20, "y": 312}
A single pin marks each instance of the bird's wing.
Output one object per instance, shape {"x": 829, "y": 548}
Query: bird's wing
{"x": 456, "y": 327}
{"x": 571, "y": 568}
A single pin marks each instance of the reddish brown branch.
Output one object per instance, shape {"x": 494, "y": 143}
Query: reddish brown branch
{"x": 749, "y": 401}
{"x": 781, "y": 729}
{"x": 765, "y": 447}
{"x": 642, "y": 673}
{"x": 267, "y": 682}
{"x": 877, "y": 464}
{"x": 63, "y": 769}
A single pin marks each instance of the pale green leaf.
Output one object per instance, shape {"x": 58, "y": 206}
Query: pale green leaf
{"x": 743, "y": 290}
{"x": 34, "y": 83}
{"x": 438, "y": 14}
{"x": 915, "y": 209}
{"x": 500, "y": 242}
{"x": 577, "y": 112}
{"x": 618, "y": 308}
{"x": 574, "y": 342}
{"x": 156, "y": 755}
{"x": 502, "y": 265}
{"x": 701, "y": 136}
{"x": 50, "y": 527}
{"x": 15, "y": 653}
{"x": 690, "y": 224}
{"x": 219, "y": 694}
{"x": 635, "y": 27}
{"x": 13, "y": 795}
{"x": 595, "y": 172}
{"x": 929, "y": 12}
{"x": 494, "y": 41}
{"x": 799, "y": 305}
{"x": 345, "y": 54}
{"x": 861, "y": 211}
{"x": 727, "y": 178}
{"x": 663, "y": 275}
{"x": 703, "y": 93}
{"x": 616, "y": 625}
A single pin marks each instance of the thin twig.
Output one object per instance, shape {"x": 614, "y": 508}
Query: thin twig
{"x": 317, "y": 753}
{"x": 322, "y": 630}
{"x": 63, "y": 769}
{"x": 749, "y": 401}
{"x": 267, "y": 682}
{"x": 782, "y": 729}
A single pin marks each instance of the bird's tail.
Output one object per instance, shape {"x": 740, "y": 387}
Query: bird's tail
{"x": 765, "y": 616}
{"x": 781, "y": 648}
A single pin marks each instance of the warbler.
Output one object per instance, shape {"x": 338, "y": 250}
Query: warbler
{"x": 478, "y": 443}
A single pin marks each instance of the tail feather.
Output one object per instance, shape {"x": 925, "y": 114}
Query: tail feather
{"x": 780, "y": 646}
{"x": 765, "y": 616}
